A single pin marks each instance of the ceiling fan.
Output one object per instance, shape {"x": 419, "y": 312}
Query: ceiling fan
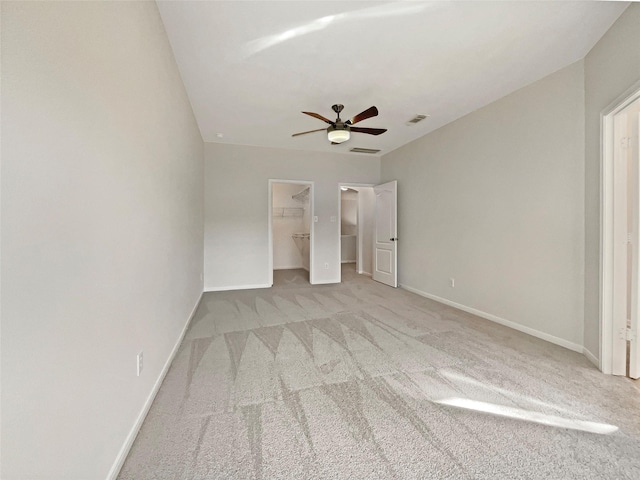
{"x": 340, "y": 130}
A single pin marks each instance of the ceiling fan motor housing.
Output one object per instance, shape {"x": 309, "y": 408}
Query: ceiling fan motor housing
{"x": 338, "y": 125}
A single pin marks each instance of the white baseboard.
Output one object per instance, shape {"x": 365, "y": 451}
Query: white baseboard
{"x": 236, "y": 287}
{"x": 124, "y": 451}
{"x": 592, "y": 358}
{"x": 362, "y": 272}
{"x": 494, "y": 318}
{"x": 348, "y": 261}
{"x": 328, "y": 282}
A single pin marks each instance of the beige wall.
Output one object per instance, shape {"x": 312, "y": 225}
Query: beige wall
{"x": 611, "y": 67}
{"x": 102, "y": 207}
{"x": 495, "y": 201}
{"x": 236, "y": 209}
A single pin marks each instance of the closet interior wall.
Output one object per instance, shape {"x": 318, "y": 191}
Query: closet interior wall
{"x": 348, "y": 225}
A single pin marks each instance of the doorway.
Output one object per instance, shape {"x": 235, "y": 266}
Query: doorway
{"x": 357, "y": 209}
{"x": 290, "y": 232}
{"x": 620, "y": 236}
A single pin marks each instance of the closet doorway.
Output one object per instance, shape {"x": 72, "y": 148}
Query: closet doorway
{"x": 290, "y": 232}
{"x": 357, "y": 223}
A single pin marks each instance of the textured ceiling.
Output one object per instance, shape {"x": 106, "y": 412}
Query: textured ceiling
{"x": 251, "y": 67}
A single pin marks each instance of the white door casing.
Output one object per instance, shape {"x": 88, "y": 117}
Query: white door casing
{"x": 385, "y": 252}
{"x": 634, "y": 158}
{"x": 620, "y": 254}
{"x": 617, "y": 304}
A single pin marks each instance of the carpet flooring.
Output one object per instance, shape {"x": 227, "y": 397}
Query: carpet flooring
{"x": 361, "y": 381}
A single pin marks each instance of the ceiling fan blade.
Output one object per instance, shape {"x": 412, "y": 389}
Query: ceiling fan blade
{"x": 368, "y": 113}
{"x": 310, "y": 131}
{"x": 319, "y": 117}
{"x": 370, "y": 131}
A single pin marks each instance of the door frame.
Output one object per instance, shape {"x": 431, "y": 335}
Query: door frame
{"x": 608, "y": 224}
{"x": 312, "y": 237}
{"x": 339, "y": 240}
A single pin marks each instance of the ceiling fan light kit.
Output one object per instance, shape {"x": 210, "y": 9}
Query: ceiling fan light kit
{"x": 338, "y": 136}
{"x": 340, "y": 131}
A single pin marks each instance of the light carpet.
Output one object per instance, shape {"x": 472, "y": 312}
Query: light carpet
{"x": 361, "y": 381}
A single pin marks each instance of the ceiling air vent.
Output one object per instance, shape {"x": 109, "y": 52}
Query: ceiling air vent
{"x": 363, "y": 150}
{"x": 416, "y": 119}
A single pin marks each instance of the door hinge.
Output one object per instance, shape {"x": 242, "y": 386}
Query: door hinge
{"x": 627, "y": 334}
{"x": 629, "y": 237}
{"x": 625, "y": 142}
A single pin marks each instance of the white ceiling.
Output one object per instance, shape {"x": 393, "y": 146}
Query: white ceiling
{"x": 250, "y": 68}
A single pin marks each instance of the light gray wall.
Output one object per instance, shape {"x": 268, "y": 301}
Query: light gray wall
{"x": 236, "y": 208}
{"x": 611, "y": 67}
{"x": 495, "y": 200}
{"x": 102, "y": 228}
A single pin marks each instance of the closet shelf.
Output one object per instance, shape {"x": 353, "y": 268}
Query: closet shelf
{"x": 302, "y": 196}
{"x": 301, "y": 235}
{"x": 288, "y": 212}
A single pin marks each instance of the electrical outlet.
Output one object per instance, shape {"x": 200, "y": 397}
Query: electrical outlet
{"x": 452, "y": 282}
{"x": 326, "y": 266}
{"x": 140, "y": 364}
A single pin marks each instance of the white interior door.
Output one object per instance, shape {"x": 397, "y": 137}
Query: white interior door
{"x": 385, "y": 252}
